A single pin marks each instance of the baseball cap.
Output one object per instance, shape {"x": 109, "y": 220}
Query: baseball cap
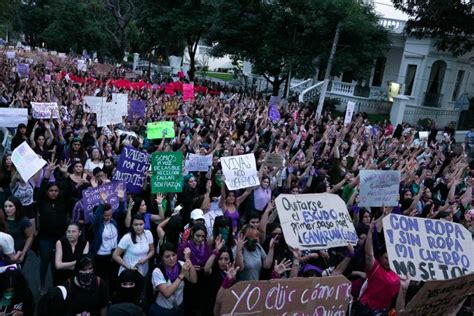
{"x": 197, "y": 214}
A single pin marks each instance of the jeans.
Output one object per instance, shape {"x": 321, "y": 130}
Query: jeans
{"x": 47, "y": 248}
{"x": 157, "y": 310}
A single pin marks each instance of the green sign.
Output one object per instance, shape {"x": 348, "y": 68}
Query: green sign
{"x": 158, "y": 129}
{"x": 166, "y": 172}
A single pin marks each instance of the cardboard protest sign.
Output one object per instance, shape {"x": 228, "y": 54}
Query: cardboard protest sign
{"x": 273, "y": 160}
{"x": 166, "y": 172}
{"x": 240, "y": 171}
{"x": 91, "y": 198}
{"x": 102, "y": 69}
{"x": 379, "y": 187}
{"x": 23, "y": 70}
{"x": 198, "y": 162}
{"x": 26, "y": 161}
{"x": 94, "y": 103}
{"x": 11, "y": 117}
{"x": 137, "y": 109}
{"x": 440, "y": 297}
{"x": 171, "y": 107}
{"x": 428, "y": 249}
{"x": 131, "y": 169}
{"x": 156, "y": 130}
{"x": 188, "y": 92}
{"x": 45, "y": 110}
{"x": 315, "y": 221}
{"x": 349, "y": 112}
{"x": 295, "y": 296}
{"x": 120, "y": 101}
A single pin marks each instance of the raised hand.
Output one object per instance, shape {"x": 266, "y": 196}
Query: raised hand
{"x": 159, "y": 199}
{"x": 283, "y": 266}
{"x": 187, "y": 254}
{"x": 219, "y": 242}
{"x": 120, "y": 192}
{"x": 231, "y": 271}
{"x": 240, "y": 241}
{"x": 64, "y": 165}
{"x": 103, "y": 196}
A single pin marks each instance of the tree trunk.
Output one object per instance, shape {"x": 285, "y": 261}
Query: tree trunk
{"x": 192, "y": 62}
{"x": 276, "y": 86}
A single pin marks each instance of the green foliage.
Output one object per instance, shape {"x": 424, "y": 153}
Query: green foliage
{"x": 450, "y": 22}
{"x": 278, "y": 35}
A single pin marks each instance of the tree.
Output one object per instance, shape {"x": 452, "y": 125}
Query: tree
{"x": 449, "y": 22}
{"x": 283, "y": 35}
{"x": 176, "y": 23}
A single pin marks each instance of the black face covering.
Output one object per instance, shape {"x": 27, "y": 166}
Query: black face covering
{"x": 251, "y": 244}
{"x": 86, "y": 280}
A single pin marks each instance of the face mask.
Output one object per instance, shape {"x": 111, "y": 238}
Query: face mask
{"x": 251, "y": 244}
{"x": 8, "y": 295}
{"x": 85, "y": 279}
{"x": 224, "y": 232}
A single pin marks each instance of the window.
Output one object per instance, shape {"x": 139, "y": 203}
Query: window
{"x": 347, "y": 76}
{"x": 410, "y": 79}
{"x": 457, "y": 85}
{"x": 378, "y": 72}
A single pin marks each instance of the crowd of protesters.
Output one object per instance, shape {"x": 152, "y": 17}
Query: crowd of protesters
{"x": 154, "y": 255}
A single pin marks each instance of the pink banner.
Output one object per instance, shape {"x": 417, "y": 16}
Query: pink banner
{"x": 169, "y": 89}
{"x": 188, "y": 92}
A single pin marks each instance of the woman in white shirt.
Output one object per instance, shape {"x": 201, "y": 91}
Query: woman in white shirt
{"x": 94, "y": 162}
{"x": 136, "y": 247}
{"x": 168, "y": 281}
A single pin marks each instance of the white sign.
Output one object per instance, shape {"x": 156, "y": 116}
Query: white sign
{"x": 428, "y": 249}
{"x": 11, "y": 55}
{"x": 81, "y": 65}
{"x": 45, "y": 110}
{"x": 94, "y": 103}
{"x": 210, "y": 217}
{"x": 315, "y": 221}
{"x": 108, "y": 115}
{"x": 379, "y": 187}
{"x": 198, "y": 163}
{"x": 120, "y": 101}
{"x": 349, "y": 112}
{"x": 240, "y": 171}
{"x": 11, "y": 117}
{"x": 26, "y": 161}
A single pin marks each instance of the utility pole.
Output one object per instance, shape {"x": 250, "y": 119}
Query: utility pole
{"x": 327, "y": 75}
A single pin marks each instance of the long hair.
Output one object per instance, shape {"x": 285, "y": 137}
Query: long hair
{"x": 137, "y": 200}
{"x": 136, "y": 217}
{"x": 19, "y": 214}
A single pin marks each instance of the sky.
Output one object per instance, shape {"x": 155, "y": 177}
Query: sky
{"x": 385, "y": 8}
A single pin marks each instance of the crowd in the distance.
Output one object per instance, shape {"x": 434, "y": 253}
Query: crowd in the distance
{"x": 154, "y": 254}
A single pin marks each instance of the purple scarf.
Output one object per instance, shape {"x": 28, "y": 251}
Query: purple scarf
{"x": 199, "y": 254}
{"x": 172, "y": 274}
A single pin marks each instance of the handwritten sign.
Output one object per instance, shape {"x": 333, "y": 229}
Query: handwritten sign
{"x": 23, "y": 70}
{"x": 26, "y": 161}
{"x": 198, "y": 163}
{"x": 158, "y": 129}
{"x": 11, "y": 117}
{"x": 240, "y": 171}
{"x": 274, "y": 160}
{"x": 296, "y": 296}
{"x": 315, "y": 221}
{"x": 166, "y": 172}
{"x": 108, "y": 114}
{"x": 120, "y": 101}
{"x": 171, "y": 107}
{"x": 188, "y": 92}
{"x": 91, "y": 198}
{"x": 45, "y": 110}
{"x": 428, "y": 249}
{"x": 440, "y": 297}
{"x": 95, "y": 103}
{"x": 274, "y": 114}
{"x": 137, "y": 109}
{"x": 349, "y": 112}
{"x": 379, "y": 187}
{"x": 131, "y": 169}
{"x": 10, "y": 55}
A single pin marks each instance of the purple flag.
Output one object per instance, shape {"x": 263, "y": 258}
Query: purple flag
{"x": 137, "y": 109}
{"x": 274, "y": 100}
{"x": 23, "y": 70}
{"x": 90, "y": 198}
{"x": 274, "y": 113}
{"x": 131, "y": 168}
